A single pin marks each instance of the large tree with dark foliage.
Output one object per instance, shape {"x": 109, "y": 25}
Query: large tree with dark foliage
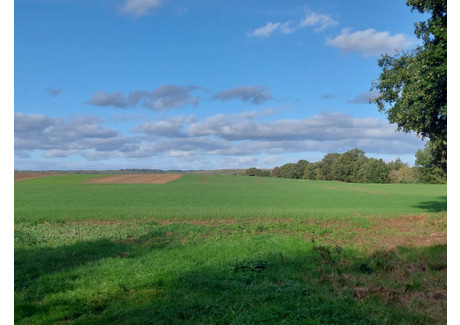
{"x": 413, "y": 84}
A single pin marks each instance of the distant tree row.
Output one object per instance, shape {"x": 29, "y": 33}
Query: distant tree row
{"x": 253, "y": 171}
{"x": 353, "y": 166}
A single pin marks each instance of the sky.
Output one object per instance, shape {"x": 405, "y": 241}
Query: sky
{"x": 192, "y": 85}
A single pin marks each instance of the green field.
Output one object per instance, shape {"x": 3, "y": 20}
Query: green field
{"x": 229, "y": 250}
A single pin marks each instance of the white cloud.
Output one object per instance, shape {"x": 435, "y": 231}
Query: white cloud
{"x": 370, "y": 42}
{"x": 58, "y": 137}
{"x": 139, "y": 7}
{"x": 288, "y": 27}
{"x": 172, "y": 127}
{"x": 326, "y": 127}
{"x": 264, "y": 31}
{"x": 319, "y": 22}
{"x": 229, "y": 137}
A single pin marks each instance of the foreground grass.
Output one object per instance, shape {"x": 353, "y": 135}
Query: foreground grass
{"x": 160, "y": 264}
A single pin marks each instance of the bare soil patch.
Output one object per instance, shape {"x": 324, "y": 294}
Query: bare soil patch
{"x": 20, "y": 177}
{"x": 135, "y": 179}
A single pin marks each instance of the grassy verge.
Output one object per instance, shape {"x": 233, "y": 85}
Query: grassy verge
{"x": 150, "y": 272}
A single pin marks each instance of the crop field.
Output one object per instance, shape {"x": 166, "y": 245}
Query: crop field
{"x": 221, "y": 249}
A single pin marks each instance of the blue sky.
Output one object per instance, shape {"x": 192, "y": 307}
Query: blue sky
{"x": 202, "y": 84}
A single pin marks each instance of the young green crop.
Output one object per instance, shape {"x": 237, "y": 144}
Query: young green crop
{"x": 67, "y": 197}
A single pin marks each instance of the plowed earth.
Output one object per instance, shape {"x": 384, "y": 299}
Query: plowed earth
{"x": 135, "y": 179}
{"x": 19, "y": 177}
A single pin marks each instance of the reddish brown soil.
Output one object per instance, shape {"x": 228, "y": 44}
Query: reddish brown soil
{"x": 135, "y": 179}
{"x": 20, "y": 177}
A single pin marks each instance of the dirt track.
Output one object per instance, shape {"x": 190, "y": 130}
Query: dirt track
{"x": 135, "y": 179}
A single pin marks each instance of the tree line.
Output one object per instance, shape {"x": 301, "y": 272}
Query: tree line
{"x": 354, "y": 167}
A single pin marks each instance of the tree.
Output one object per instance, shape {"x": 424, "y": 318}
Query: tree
{"x": 413, "y": 85}
{"x": 346, "y": 166}
{"x": 396, "y": 164}
{"x": 310, "y": 171}
{"x": 406, "y": 175}
{"x": 253, "y": 171}
{"x": 276, "y": 172}
{"x": 291, "y": 170}
{"x": 373, "y": 171}
{"x": 325, "y": 166}
{"x": 427, "y": 171}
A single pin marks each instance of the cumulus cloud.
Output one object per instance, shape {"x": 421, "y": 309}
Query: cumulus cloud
{"x": 58, "y": 137}
{"x": 169, "y": 96}
{"x": 178, "y": 147}
{"x": 319, "y": 22}
{"x": 370, "y": 42}
{"x": 255, "y": 94}
{"x": 102, "y": 98}
{"x": 161, "y": 98}
{"x": 139, "y": 7}
{"x": 172, "y": 127}
{"x": 322, "y": 127}
{"x": 30, "y": 123}
{"x": 187, "y": 138}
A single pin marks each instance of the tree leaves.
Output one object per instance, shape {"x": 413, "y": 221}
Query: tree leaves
{"x": 413, "y": 84}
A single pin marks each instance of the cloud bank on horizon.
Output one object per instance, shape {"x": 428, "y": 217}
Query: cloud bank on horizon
{"x": 242, "y": 135}
{"x": 290, "y": 84}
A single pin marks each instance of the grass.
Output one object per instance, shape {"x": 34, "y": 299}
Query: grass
{"x": 228, "y": 251}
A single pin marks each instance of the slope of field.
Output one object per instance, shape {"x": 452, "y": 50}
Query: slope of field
{"x": 208, "y": 249}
